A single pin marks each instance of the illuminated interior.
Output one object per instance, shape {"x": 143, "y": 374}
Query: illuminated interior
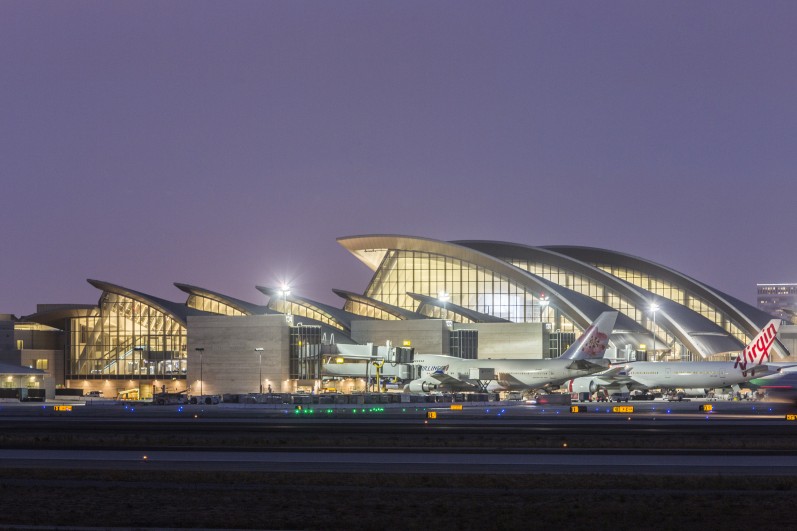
{"x": 126, "y": 338}
{"x": 468, "y": 285}
{"x": 206, "y": 304}
{"x": 672, "y": 292}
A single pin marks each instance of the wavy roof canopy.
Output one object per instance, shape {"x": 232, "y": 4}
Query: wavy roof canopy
{"x": 749, "y": 317}
{"x": 177, "y": 311}
{"x": 372, "y": 249}
{"x": 698, "y": 333}
{"x": 399, "y": 313}
{"x": 242, "y": 306}
{"x": 338, "y": 315}
{"x": 473, "y": 315}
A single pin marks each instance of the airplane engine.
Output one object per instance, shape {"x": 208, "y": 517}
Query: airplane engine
{"x": 421, "y": 386}
{"x": 582, "y": 385}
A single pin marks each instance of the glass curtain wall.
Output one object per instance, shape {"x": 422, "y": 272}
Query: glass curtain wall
{"x": 206, "y": 304}
{"x": 674, "y": 293}
{"x": 464, "y": 344}
{"x": 301, "y": 310}
{"x": 598, "y": 291}
{"x": 126, "y": 339}
{"x": 305, "y": 352}
{"x": 369, "y": 310}
{"x": 467, "y": 285}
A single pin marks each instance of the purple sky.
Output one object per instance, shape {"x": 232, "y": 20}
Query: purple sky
{"x": 227, "y": 144}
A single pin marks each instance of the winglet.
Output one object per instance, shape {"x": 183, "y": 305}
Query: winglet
{"x": 593, "y": 342}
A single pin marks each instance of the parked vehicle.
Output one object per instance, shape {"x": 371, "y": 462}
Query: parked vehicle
{"x": 619, "y": 397}
{"x": 205, "y": 399}
{"x": 168, "y": 398}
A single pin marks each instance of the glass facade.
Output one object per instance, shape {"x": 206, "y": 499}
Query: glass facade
{"x": 436, "y": 312}
{"x": 464, "y": 344}
{"x": 559, "y": 342}
{"x": 305, "y": 352}
{"x": 467, "y": 284}
{"x": 369, "y": 310}
{"x": 206, "y": 304}
{"x": 303, "y": 310}
{"x": 671, "y": 291}
{"x": 605, "y": 294}
{"x": 126, "y": 339}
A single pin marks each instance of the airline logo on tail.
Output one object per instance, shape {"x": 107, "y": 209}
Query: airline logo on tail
{"x": 593, "y": 342}
{"x": 758, "y": 349}
{"x": 596, "y": 343}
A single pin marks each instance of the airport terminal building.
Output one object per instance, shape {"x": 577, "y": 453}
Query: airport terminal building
{"x": 469, "y": 299}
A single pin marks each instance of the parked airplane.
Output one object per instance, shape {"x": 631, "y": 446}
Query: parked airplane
{"x": 451, "y": 373}
{"x": 686, "y": 374}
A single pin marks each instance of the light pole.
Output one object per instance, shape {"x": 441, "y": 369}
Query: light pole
{"x": 444, "y": 296}
{"x": 259, "y": 351}
{"x": 653, "y": 309}
{"x": 201, "y": 379}
{"x": 544, "y": 302}
{"x": 286, "y": 290}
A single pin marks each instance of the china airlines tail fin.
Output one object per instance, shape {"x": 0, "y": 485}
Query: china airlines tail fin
{"x": 593, "y": 342}
{"x": 758, "y": 349}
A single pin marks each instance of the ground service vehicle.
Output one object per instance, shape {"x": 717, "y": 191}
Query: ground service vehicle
{"x": 167, "y": 398}
{"x": 205, "y": 399}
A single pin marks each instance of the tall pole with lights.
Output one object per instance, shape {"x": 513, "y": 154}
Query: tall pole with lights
{"x": 653, "y": 309}
{"x": 444, "y": 297}
{"x": 201, "y": 378}
{"x": 544, "y": 302}
{"x": 286, "y": 290}
{"x": 259, "y": 351}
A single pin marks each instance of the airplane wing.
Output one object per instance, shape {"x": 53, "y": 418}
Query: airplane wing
{"x": 767, "y": 370}
{"x": 445, "y": 379}
{"x": 507, "y": 379}
{"x": 586, "y": 365}
{"x": 619, "y": 374}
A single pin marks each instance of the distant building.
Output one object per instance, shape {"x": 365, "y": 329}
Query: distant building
{"x": 779, "y": 300}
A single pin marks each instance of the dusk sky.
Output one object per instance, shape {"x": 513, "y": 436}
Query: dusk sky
{"x": 228, "y": 144}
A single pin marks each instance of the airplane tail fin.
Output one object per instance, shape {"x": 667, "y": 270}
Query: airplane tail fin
{"x": 758, "y": 349}
{"x": 593, "y": 342}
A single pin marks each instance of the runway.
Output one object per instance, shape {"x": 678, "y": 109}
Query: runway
{"x": 397, "y": 461}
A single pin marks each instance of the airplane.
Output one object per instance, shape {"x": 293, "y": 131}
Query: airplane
{"x": 451, "y": 373}
{"x": 749, "y": 364}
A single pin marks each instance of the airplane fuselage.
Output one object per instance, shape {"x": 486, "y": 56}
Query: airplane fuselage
{"x": 509, "y": 374}
{"x": 697, "y": 375}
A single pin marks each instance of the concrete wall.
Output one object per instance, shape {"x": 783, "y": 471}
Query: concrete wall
{"x": 55, "y": 365}
{"x": 229, "y": 363}
{"x": 428, "y": 336}
{"x": 6, "y": 335}
{"x": 510, "y": 340}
